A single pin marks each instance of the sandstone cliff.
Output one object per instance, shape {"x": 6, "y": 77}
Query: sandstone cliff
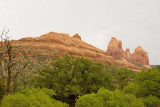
{"x": 57, "y": 44}
{"x": 115, "y": 48}
{"x": 139, "y": 57}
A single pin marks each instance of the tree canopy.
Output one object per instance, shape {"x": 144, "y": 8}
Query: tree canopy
{"x": 149, "y": 83}
{"x": 32, "y": 98}
{"x": 106, "y": 98}
{"x": 121, "y": 77}
{"x": 82, "y": 83}
{"x": 70, "y": 77}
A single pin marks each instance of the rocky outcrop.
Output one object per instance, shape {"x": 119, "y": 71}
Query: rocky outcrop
{"x": 139, "y": 57}
{"x": 115, "y": 48}
{"x": 77, "y": 36}
{"x": 57, "y": 44}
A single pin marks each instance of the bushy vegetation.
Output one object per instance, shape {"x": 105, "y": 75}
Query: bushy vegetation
{"x": 32, "y": 98}
{"x": 147, "y": 87}
{"x": 147, "y": 83}
{"x": 106, "y": 98}
{"x": 79, "y": 82}
{"x": 71, "y": 78}
{"x": 121, "y": 77}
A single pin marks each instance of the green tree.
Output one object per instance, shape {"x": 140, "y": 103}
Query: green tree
{"x": 151, "y": 101}
{"x": 132, "y": 89}
{"x": 158, "y": 67}
{"x": 23, "y": 80}
{"x": 106, "y": 98}
{"x": 121, "y": 77}
{"x": 12, "y": 62}
{"x": 149, "y": 82}
{"x": 90, "y": 100}
{"x": 32, "y": 98}
{"x": 70, "y": 77}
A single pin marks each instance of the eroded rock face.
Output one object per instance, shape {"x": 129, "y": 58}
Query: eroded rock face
{"x": 77, "y": 36}
{"x": 139, "y": 57}
{"x": 115, "y": 48}
{"x": 55, "y": 44}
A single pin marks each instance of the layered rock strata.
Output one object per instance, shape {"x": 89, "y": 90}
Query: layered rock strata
{"x": 138, "y": 57}
{"x": 57, "y": 44}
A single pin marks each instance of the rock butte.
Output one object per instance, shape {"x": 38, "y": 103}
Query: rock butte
{"x": 139, "y": 56}
{"x": 76, "y": 47}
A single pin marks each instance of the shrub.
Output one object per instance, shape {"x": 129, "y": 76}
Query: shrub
{"x": 132, "y": 89}
{"x": 32, "y": 98}
{"x": 151, "y": 101}
{"x": 149, "y": 83}
{"x": 106, "y": 98}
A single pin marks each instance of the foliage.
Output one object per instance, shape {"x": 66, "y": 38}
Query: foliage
{"x": 133, "y": 89}
{"x": 90, "y": 100}
{"x": 70, "y": 77}
{"x": 155, "y": 67}
{"x": 23, "y": 80}
{"x": 32, "y": 98}
{"x": 158, "y": 67}
{"x": 77, "y": 80}
{"x": 106, "y": 98}
{"x": 149, "y": 82}
{"x": 151, "y": 101}
{"x": 12, "y": 61}
{"x": 121, "y": 77}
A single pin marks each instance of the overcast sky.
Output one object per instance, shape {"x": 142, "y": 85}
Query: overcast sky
{"x": 135, "y": 22}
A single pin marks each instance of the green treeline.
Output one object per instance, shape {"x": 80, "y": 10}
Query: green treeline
{"x": 79, "y": 82}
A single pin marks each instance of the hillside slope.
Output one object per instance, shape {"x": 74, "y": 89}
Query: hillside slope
{"x": 57, "y": 44}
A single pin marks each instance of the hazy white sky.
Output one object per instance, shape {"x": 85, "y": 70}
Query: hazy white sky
{"x": 135, "y": 22}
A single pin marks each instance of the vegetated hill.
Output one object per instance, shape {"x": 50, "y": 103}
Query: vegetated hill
{"x": 52, "y": 45}
{"x": 155, "y": 66}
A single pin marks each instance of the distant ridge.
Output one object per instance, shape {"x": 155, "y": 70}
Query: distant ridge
{"x": 48, "y": 44}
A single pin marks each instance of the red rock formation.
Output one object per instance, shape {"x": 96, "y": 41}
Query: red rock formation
{"x": 139, "y": 57}
{"x": 57, "y": 44}
{"x": 77, "y": 36}
{"x": 115, "y": 48}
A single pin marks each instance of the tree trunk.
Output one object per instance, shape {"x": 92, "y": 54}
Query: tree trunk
{"x": 9, "y": 72}
{"x": 4, "y": 87}
{"x": 9, "y": 48}
{"x": 3, "y": 78}
{"x": 9, "y": 82}
{"x": 72, "y": 100}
